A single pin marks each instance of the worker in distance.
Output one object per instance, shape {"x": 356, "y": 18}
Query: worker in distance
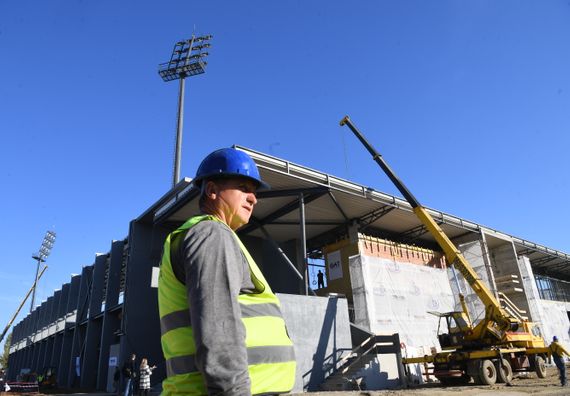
{"x": 222, "y": 331}
{"x": 558, "y": 352}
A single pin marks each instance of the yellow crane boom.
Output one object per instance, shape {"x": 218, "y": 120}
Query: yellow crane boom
{"x": 497, "y": 321}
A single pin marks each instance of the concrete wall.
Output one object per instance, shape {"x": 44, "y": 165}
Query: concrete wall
{"x": 555, "y": 322}
{"x": 395, "y": 297}
{"x": 320, "y": 330}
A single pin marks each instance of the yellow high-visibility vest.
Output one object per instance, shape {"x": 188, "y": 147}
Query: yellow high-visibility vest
{"x": 270, "y": 354}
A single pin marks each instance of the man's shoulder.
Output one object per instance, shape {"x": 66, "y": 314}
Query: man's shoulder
{"x": 208, "y": 227}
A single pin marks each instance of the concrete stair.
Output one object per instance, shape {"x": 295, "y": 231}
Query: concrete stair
{"x": 346, "y": 378}
{"x": 366, "y": 347}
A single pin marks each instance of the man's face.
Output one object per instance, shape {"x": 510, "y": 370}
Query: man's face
{"x": 234, "y": 200}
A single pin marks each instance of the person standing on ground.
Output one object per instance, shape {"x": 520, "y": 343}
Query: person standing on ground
{"x": 320, "y": 280}
{"x": 130, "y": 374}
{"x": 558, "y": 353}
{"x": 221, "y": 325}
{"x": 116, "y": 381}
{"x": 144, "y": 374}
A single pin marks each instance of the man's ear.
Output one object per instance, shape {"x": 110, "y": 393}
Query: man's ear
{"x": 211, "y": 190}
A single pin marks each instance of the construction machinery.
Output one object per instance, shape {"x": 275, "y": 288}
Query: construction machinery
{"x": 497, "y": 345}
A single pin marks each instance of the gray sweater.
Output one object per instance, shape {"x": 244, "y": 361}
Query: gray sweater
{"x": 215, "y": 271}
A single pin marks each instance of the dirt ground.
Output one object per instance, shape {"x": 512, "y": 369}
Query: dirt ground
{"x": 520, "y": 386}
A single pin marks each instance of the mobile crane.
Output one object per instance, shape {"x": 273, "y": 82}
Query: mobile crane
{"x": 492, "y": 349}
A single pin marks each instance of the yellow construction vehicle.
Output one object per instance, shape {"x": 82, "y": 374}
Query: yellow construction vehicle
{"x": 492, "y": 349}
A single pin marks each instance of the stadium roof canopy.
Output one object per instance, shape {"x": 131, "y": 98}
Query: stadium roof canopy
{"x": 333, "y": 204}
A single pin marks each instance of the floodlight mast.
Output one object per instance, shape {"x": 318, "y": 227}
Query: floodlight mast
{"x": 41, "y": 256}
{"x": 187, "y": 60}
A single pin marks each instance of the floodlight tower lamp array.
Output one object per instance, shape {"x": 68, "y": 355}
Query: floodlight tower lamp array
{"x": 187, "y": 60}
{"x": 41, "y": 256}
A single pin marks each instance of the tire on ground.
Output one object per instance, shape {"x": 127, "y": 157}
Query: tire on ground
{"x": 540, "y": 366}
{"x": 487, "y": 373}
{"x": 506, "y": 374}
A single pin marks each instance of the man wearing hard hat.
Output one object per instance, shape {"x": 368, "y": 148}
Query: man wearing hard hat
{"x": 222, "y": 331}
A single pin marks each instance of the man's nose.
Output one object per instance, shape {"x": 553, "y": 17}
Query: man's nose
{"x": 251, "y": 198}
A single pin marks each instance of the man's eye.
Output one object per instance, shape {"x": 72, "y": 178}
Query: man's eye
{"x": 246, "y": 189}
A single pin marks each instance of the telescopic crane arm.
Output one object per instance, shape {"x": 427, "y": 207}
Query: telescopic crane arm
{"x": 22, "y": 304}
{"x": 494, "y": 312}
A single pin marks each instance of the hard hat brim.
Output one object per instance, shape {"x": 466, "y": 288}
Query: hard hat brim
{"x": 261, "y": 185}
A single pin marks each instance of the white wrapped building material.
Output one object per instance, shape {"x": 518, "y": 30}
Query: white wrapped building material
{"x": 395, "y": 297}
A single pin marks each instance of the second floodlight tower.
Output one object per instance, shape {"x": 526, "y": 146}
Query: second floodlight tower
{"x": 187, "y": 60}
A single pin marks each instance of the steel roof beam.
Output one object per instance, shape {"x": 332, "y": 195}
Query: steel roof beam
{"x": 309, "y": 222}
{"x": 292, "y": 192}
{"x": 290, "y": 207}
{"x": 371, "y": 217}
{"x": 338, "y": 205}
{"x": 541, "y": 261}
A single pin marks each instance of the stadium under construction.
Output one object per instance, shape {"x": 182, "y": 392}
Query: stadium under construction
{"x": 383, "y": 269}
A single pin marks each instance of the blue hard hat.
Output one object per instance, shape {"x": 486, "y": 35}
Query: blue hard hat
{"x": 554, "y": 338}
{"x": 229, "y": 162}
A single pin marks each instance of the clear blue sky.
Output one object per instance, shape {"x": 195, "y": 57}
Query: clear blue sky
{"x": 469, "y": 101}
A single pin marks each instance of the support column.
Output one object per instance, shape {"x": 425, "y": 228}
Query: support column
{"x": 90, "y": 357}
{"x": 303, "y": 267}
{"x": 111, "y": 321}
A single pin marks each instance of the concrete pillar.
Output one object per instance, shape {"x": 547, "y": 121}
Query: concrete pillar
{"x": 84, "y": 294}
{"x": 141, "y": 323}
{"x": 111, "y": 321}
{"x": 80, "y": 326}
{"x": 65, "y": 359}
{"x": 90, "y": 353}
{"x": 40, "y": 347}
{"x": 54, "y": 359}
{"x": 16, "y": 333}
{"x": 112, "y": 297}
{"x": 56, "y": 353}
{"x": 90, "y": 356}
{"x": 49, "y": 352}
{"x": 36, "y": 344}
{"x": 12, "y": 364}
{"x": 97, "y": 285}
{"x": 111, "y": 325}
{"x": 56, "y": 303}
{"x": 46, "y": 357}
{"x": 64, "y": 300}
{"x": 66, "y": 364}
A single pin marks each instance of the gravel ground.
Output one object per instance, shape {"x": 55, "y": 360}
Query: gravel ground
{"x": 520, "y": 386}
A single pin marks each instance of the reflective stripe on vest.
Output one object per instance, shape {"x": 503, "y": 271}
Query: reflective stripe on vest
{"x": 255, "y": 355}
{"x": 270, "y": 352}
{"x": 181, "y": 318}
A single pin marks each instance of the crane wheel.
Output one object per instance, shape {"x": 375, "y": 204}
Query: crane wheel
{"x": 504, "y": 371}
{"x": 487, "y": 374}
{"x": 540, "y": 367}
